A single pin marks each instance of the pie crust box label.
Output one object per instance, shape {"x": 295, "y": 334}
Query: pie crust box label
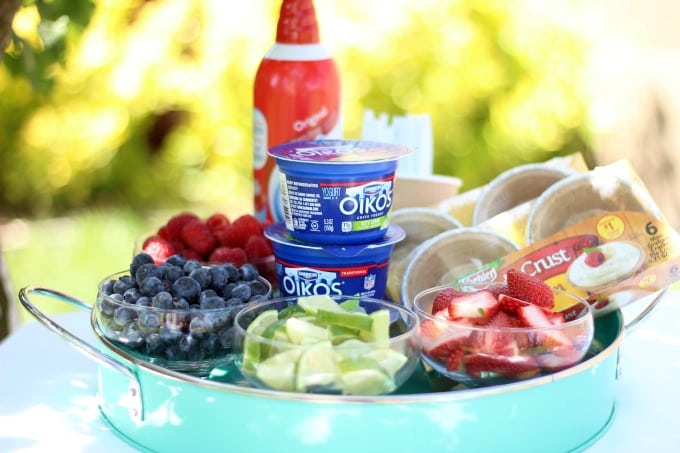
{"x": 610, "y": 260}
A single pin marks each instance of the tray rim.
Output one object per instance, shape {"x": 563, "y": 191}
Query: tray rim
{"x": 412, "y": 398}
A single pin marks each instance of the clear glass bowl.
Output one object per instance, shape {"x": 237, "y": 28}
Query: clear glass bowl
{"x": 284, "y": 347}
{"x": 482, "y": 355}
{"x": 190, "y": 339}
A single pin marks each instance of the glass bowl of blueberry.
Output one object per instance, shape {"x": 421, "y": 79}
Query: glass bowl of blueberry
{"x": 179, "y": 314}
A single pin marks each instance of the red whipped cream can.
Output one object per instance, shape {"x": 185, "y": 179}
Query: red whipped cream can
{"x": 296, "y": 98}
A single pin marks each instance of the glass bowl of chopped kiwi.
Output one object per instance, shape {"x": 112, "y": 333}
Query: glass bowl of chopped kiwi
{"x": 327, "y": 344}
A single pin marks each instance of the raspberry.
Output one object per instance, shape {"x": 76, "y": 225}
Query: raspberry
{"x": 158, "y": 248}
{"x": 164, "y": 233}
{"x": 198, "y": 237}
{"x": 257, "y": 247}
{"x": 245, "y": 226}
{"x": 190, "y": 254}
{"x": 229, "y": 236}
{"x": 233, "y": 255}
{"x": 177, "y": 222}
{"x": 217, "y": 221}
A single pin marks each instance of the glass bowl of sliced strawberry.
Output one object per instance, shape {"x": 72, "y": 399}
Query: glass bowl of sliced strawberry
{"x": 502, "y": 332}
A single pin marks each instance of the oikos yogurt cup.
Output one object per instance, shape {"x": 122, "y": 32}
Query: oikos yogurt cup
{"x": 337, "y": 191}
{"x": 305, "y": 269}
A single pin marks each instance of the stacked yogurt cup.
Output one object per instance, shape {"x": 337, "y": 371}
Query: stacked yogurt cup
{"x": 337, "y": 201}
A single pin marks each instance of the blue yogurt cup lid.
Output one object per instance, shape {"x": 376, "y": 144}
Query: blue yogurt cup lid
{"x": 338, "y": 151}
{"x": 278, "y": 233}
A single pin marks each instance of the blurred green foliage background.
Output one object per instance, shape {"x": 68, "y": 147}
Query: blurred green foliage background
{"x": 148, "y": 103}
{"x": 115, "y": 111}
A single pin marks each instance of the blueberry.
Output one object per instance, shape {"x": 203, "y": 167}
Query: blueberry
{"x": 122, "y": 284}
{"x": 180, "y": 304}
{"x": 149, "y": 321}
{"x": 248, "y": 272}
{"x": 210, "y": 344}
{"x": 162, "y": 300}
{"x": 131, "y": 337}
{"x": 207, "y": 293}
{"x": 170, "y": 333}
{"x": 232, "y": 272}
{"x": 107, "y": 287}
{"x": 233, "y": 302}
{"x": 145, "y": 271}
{"x": 144, "y": 301}
{"x": 258, "y": 288}
{"x": 187, "y": 288}
{"x": 190, "y": 265}
{"x": 106, "y": 306}
{"x": 176, "y": 260}
{"x": 131, "y": 295}
{"x": 117, "y": 297}
{"x": 172, "y": 273}
{"x": 124, "y": 315}
{"x": 202, "y": 276}
{"x": 220, "y": 320}
{"x": 227, "y": 290}
{"x": 187, "y": 342}
{"x": 212, "y": 303}
{"x": 151, "y": 286}
{"x": 154, "y": 345}
{"x": 226, "y": 338}
{"x": 172, "y": 352}
{"x": 139, "y": 260}
{"x": 241, "y": 291}
{"x": 218, "y": 278}
{"x": 163, "y": 270}
{"x": 200, "y": 327}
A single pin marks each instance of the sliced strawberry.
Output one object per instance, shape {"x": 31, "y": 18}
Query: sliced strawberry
{"x": 454, "y": 362}
{"x": 533, "y": 316}
{"x": 529, "y": 288}
{"x": 443, "y": 298}
{"x": 518, "y": 366}
{"x": 447, "y": 344}
{"x": 510, "y": 305}
{"x": 555, "y": 362}
{"x": 430, "y": 330}
{"x": 551, "y": 339}
{"x": 556, "y": 318}
{"x": 480, "y": 304}
{"x": 498, "y": 288}
{"x": 498, "y": 339}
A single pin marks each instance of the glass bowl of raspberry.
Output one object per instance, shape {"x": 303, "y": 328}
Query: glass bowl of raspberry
{"x": 212, "y": 240}
{"x": 178, "y": 314}
{"x": 502, "y": 332}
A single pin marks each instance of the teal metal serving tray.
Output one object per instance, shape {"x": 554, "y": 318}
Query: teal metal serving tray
{"x": 156, "y": 409}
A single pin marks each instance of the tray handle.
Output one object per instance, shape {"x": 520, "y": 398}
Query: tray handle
{"x": 135, "y": 405}
{"x": 657, "y": 297}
